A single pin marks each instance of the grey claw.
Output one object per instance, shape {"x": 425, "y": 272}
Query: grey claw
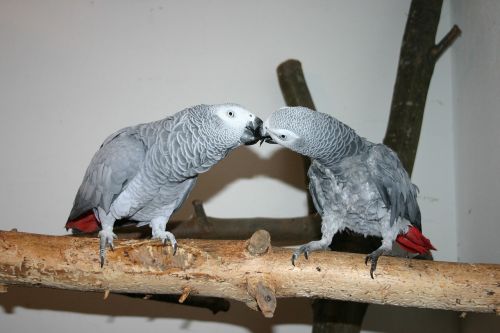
{"x": 172, "y": 241}
{"x": 105, "y": 240}
{"x": 102, "y": 253}
{"x": 298, "y": 252}
{"x": 373, "y": 265}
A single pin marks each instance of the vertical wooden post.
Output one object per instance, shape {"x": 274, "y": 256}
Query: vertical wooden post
{"x": 418, "y": 56}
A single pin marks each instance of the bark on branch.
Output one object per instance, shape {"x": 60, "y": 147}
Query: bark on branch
{"x": 227, "y": 269}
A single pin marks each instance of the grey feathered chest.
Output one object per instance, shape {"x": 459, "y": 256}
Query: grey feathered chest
{"x": 174, "y": 159}
{"x": 348, "y": 194}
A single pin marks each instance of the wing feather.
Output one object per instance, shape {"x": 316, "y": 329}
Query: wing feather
{"x": 394, "y": 185}
{"x": 112, "y": 167}
{"x": 316, "y": 179}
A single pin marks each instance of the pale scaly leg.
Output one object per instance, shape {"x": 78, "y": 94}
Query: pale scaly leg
{"x": 329, "y": 228}
{"x": 329, "y": 224}
{"x": 158, "y": 226}
{"x": 106, "y": 235}
{"x": 389, "y": 234}
{"x": 384, "y": 249}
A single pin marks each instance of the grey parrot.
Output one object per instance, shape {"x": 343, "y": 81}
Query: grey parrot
{"x": 143, "y": 173}
{"x": 354, "y": 183}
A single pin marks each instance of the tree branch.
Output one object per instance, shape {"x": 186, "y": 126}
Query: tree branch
{"x": 296, "y": 93}
{"x": 417, "y": 59}
{"x": 446, "y": 42}
{"x": 226, "y": 269}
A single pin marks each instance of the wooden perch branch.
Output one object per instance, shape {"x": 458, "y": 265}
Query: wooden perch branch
{"x": 226, "y": 269}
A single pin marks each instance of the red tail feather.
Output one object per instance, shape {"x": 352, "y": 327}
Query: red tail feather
{"x": 414, "y": 241}
{"x": 87, "y": 223}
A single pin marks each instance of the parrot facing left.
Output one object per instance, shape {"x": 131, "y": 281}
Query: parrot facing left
{"x": 354, "y": 183}
{"x": 144, "y": 173}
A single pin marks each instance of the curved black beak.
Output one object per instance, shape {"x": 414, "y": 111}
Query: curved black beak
{"x": 252, "y": 133}
{"x": 265, "y": 137}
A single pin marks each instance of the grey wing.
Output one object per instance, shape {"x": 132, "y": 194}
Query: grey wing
{"x": 394, "y": 185}
{"x": 317, "y": 178}
{"x": 112, "y": 167}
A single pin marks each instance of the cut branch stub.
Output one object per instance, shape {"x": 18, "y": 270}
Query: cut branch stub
{"x": 293, "y": 84}
{"x": 446, "y": 42}
{"x": 259, "y": 243}
{"x": 185, "y": 293}
{"x": 266, "y": 299}
{"x": 263, "y": 291}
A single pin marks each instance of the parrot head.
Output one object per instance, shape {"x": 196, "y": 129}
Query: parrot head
{"x": 228, "y": 125}
{"x": 240, "y": 121}
{"x": 297, "y": 128}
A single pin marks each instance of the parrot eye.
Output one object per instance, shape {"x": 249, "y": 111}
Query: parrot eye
{"x": 230, "y": 114}
{"x": 283, "y": 136}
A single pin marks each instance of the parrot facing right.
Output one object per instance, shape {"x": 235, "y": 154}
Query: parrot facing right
{"x": 354, "y": 183}
{"x": 145, "y": 172}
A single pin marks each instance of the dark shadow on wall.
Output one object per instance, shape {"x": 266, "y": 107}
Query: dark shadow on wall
{"x": 243, "y": 163}
{"x": 289, "y": 311}
{"x": 379, "y": 318}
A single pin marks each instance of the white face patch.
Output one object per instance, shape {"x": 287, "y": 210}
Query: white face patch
{"x": 283, "y": 137}
{"x": 234, "y": 116}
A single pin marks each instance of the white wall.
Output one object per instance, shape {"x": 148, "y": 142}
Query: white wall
{"x": 476, "y": 103}
{"x": 73, "y": 72}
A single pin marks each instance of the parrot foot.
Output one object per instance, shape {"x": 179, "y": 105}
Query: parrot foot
{"x": 310, "y": 247}
{"x": 164, "y": 236}
{"x": 296, "y": 254}
{"x": 105, "y": 239}
{"x": 373, "y": 258}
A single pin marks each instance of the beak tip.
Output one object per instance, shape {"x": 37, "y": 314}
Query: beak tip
{"x": 259, "y": 133}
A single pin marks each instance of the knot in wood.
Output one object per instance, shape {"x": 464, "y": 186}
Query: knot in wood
{"x": 259, "y": 243}
{"x": 266, "y": 299}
